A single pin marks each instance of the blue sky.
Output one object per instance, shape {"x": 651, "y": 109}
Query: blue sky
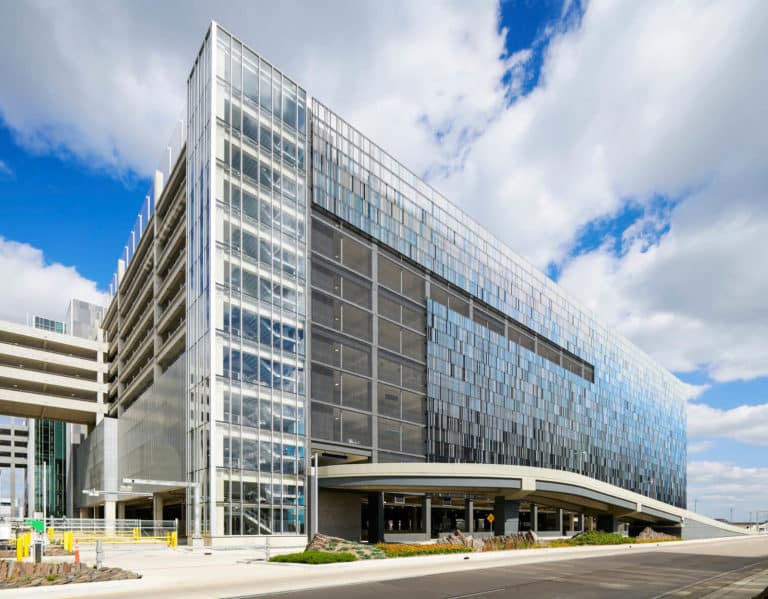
{"x": 610, "y": 151}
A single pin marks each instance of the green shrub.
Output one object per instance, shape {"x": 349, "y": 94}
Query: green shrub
{"x": 313, "y": 557}
{"x": 593, "y": 537}
{"x": 598, "y": 537}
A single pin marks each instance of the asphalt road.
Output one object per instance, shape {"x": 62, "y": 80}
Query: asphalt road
{"x": 642, "y": 575}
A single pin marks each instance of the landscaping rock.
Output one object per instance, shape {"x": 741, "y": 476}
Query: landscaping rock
{"x": 518, "y": 541}
{"x": 648, "y": 534}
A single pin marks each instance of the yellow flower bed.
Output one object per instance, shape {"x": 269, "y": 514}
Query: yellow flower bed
{"x": 406, "y": 550}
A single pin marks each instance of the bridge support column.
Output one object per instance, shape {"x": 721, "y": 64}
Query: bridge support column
{"x": 506, "y": 513}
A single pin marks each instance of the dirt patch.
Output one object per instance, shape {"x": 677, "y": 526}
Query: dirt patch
{"x": 15, "y": 575}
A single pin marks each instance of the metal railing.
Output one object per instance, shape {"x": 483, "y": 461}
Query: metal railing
{"x": 71, "y": 532}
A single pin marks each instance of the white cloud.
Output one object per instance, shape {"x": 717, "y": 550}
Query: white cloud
{"x": 717, "y": 487}
{"x": 699, "y": 446}
{"x": 6, "y": 171}
{"x": 748, "y": 424}
{"x": 695, "y": 299}
{"x": 642, "y": 99}
{"x": 693, "y": 391}
{"x": 37, "y": 287}
{"x": 107, "y": 83}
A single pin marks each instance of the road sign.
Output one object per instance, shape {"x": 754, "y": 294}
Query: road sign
{"x": 490, "y": 518}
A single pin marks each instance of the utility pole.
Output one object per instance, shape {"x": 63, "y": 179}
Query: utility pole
{"x": 696, "y": 505}
{"x": 731, "y": 519}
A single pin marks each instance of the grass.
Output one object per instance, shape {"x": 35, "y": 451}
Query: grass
{"x": 51, "y": 577}
{"x": 504, "y": 543}
{"x": 313, "y": 557}
{"x": 406, "y": 550}
{"x": 593, "y": 537}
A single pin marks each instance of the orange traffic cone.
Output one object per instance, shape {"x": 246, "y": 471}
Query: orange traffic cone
{"x": 77, "y": 551}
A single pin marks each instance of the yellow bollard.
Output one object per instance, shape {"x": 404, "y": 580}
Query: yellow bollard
{"x": 174, "y": 539}
{"x": 50, "y": 534}
{"x": 135, "y": 534}
{"x": 68, "y": 541}
{"x": 27, "y": 543}
{"x": 19, "y": 549}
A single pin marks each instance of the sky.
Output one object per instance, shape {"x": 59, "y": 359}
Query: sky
{"x": 622, "y": 147}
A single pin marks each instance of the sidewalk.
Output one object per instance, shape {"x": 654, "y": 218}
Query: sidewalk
{"x": 227, "y": 573}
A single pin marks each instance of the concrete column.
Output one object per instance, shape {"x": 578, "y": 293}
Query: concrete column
{"x": 121, "y": 511}
{"x": 535, "y": 517}
{"x": 469, "y": 515}
{"x": 375, "y": 517}
{"x": 157, "y": 510}
{"x": 14, "y": 507}
{"x": 560, "y": 514}
{"x": 426, "y": 514}
{"x": 506, "y": 513}
{"x": 157, "y": 507}
{"x": 84, "y": 512}
{"x": 109, "y": 516}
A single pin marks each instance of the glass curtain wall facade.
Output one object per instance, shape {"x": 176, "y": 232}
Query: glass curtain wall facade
{"x": 247, "y": 238}
{"x": 519, "y": 373}
{"x": 50, "y": 462}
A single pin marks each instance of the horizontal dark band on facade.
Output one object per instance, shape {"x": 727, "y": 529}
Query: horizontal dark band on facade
{"x": 523, "y": 335}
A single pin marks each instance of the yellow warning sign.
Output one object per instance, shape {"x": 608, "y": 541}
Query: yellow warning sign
{"x": 490, "y": 518}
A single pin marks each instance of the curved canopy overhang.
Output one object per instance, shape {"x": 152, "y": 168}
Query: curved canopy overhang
{"x": 542, "y": 486}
